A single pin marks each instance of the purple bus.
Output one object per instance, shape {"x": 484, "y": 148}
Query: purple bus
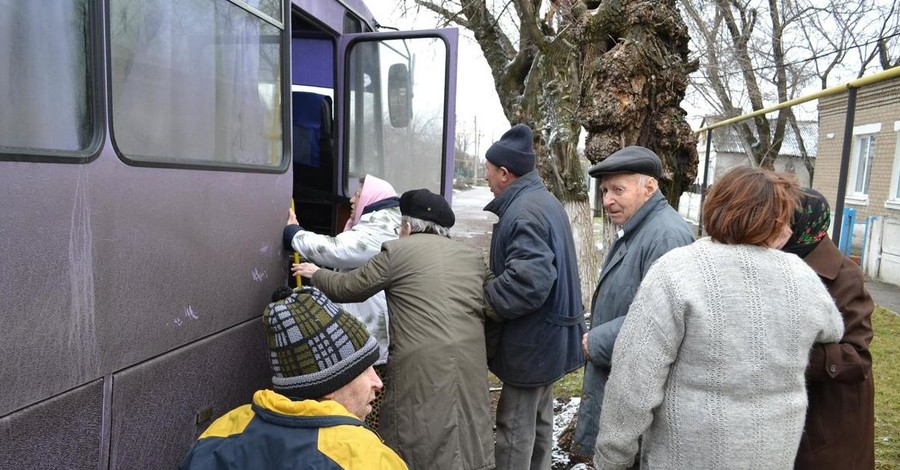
{"x": 149, "y": 152}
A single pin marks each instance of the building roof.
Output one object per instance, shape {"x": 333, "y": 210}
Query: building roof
{"x": 728, "y": 140}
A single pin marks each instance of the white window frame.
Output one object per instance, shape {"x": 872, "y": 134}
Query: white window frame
{"x": 860, "y": 134}
{"x": 893, "y": 199}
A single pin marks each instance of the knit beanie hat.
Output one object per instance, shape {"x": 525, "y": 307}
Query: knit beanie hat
{"x": 424, "y": 204}
{"x": 315, "y": 347}
{"x": 514, "y": 150}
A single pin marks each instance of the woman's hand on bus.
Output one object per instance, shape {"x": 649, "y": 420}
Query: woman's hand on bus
{"x": 292, "y": 218}
{"x": 304, "y": 269}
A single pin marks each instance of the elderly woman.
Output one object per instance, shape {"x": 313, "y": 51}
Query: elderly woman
{"x": 374, "y": 219}
{"x": 436, "y": 412}
{"x": 840, "y": 421}
{"x": 708, "y": 370}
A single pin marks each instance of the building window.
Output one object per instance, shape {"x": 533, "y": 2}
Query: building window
{"x": 861, "y": 155}
{"x": 893, "y": 200}
{"x": 862, "y": 163}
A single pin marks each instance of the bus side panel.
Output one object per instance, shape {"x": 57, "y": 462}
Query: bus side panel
{"x": 197, "y": 252}
{"x": 160, "y": 407}
{"x": 110, "y": 265}
{"x": 63, "y": 432}
{"x": 48, "y": 335}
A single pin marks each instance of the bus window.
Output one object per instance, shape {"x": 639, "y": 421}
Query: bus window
{"x": 46, "y": 79}
{"x": 409, "y": 155}
{"x": 197, "y": 82}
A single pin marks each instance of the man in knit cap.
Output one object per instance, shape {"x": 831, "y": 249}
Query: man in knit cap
{"x": 647, "y": 227}
{"x": 537, "y": 293}
{"x": 324, "y": 384}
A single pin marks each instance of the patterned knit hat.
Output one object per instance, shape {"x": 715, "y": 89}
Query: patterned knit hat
{"x": 315, "y": 347}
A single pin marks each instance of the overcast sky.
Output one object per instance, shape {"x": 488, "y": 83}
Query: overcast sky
{"x": 475, "y": 94}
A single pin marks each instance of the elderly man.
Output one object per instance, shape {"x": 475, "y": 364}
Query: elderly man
{"x": 436, "y": 412}
{"x": 324, "y": 383}
{"x": 537, "y": 293}
{"x": 646, "y": 227}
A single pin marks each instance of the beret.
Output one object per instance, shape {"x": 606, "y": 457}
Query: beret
{"x": 514, "y": 150}
{"x": 424, "y": 204}
{"x": 632, "y": 159}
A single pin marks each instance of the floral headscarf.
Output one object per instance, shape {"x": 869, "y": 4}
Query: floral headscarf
{"x": 373, "y": 190}
{"x": 810, "y": 223}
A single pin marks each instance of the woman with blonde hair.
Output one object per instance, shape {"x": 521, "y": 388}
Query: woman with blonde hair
{"x": 708, "y": 370}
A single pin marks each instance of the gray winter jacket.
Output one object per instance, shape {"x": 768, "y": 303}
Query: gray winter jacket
{"x": 651, "y": 232}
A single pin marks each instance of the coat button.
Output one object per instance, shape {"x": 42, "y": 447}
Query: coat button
{"x": 832, "y": 369}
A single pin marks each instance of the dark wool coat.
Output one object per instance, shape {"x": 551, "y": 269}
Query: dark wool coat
{"x": 840, "y": 420}
{"x": 536, "y": 288}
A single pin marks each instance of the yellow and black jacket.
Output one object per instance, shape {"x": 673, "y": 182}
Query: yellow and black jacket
{"x": 275, "y": 432}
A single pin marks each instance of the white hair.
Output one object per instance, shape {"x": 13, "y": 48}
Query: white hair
{"x": 417, "y": 225}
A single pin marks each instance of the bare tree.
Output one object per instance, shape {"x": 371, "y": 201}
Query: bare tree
{"x": 844, "y": 39}
{"x": 755, "y": 53}
{"x": 616, "y": 68}
{"x": 731, "y": 41}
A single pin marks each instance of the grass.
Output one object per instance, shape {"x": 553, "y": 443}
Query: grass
{"x": 886, "y": 364}
{"x": 569, "y": 386}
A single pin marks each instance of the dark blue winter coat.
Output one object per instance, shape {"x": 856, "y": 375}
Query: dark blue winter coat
{"x": 536, "y": 289}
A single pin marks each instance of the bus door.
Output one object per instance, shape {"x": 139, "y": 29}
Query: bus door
{"x": 397, "y": 109}
{"x": 368, "y": 103}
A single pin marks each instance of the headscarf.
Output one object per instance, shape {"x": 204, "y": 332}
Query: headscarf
{"x": 373, "y": 190}
{"x": 809, "y": 224}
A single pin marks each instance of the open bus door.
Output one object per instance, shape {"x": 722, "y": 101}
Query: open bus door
{"x": 389, "y": 112}
{"x": 396, "y": 110}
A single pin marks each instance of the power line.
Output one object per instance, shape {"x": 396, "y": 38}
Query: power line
{"x": 815, "y": 57}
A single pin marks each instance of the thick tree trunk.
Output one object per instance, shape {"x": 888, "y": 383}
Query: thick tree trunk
{"x": 637, "y": 58}
{"x": 617, "y": 68}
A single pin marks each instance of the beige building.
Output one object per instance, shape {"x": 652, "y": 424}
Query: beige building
{"x": 873, "y": 176}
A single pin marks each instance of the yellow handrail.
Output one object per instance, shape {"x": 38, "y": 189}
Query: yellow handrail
{"x": 296, "y": 257}
{"x": 858, "y": 83}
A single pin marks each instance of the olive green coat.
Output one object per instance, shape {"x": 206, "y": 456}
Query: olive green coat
{"x": 436, "y": 412}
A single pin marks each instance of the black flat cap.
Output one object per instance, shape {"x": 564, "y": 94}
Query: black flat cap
{"x": 633, "y": 159}
{"x": 424, "y": 204}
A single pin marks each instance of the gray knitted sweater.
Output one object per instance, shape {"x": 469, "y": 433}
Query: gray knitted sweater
{"x": 709, "y": 364}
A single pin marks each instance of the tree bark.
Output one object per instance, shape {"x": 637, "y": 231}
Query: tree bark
{"x": 616, "y": 68}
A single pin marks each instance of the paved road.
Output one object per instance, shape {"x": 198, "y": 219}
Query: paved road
{"x": 885, "y": 295}
{"x": 473, "y": 224}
